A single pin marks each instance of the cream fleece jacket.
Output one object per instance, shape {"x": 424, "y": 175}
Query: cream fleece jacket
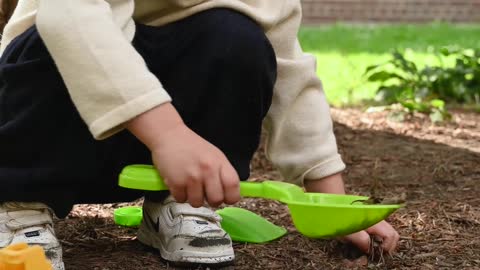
{"x": 109, "y": 83}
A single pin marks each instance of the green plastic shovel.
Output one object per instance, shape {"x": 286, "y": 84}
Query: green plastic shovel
{"x": 315, "y": 215}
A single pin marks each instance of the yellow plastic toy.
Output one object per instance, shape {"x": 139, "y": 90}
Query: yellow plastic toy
{"x": 23, "y": 257}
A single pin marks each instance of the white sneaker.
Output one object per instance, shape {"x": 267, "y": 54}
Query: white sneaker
{"x": 185, "y": 235}
{"x": 30, "y": 223}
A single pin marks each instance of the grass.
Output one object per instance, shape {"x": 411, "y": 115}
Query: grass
{"x": 344, "y": 51}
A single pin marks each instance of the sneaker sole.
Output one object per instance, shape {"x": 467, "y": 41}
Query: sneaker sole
{"x": 152, "y": 240}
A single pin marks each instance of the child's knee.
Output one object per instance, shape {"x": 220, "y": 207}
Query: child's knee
{"x": 239, "y": 40}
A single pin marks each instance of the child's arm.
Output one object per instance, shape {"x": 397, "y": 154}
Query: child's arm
{"x": 301, "y": 141}
{"x": 112, "y": 88}
{"x": 193, "y": 169}
{"x": 107, "y": 79}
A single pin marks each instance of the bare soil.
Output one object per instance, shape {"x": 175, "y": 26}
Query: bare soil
{"x": 436, "y": 166}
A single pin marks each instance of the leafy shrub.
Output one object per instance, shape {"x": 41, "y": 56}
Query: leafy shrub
{"x": 427, "y": 89}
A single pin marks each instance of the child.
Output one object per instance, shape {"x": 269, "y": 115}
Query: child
{"x": 185, "y": 84}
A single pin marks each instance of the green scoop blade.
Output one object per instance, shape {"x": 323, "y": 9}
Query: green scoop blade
{"x": 245, "y": 226}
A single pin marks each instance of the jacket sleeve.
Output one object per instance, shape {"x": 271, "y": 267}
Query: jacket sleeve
{"x": 107, "y": 79}
{"x": 301, "y": 142}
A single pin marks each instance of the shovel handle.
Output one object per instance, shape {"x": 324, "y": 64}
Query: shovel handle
{"x": 273, "y": 190}
{"x": 142, "y": 177}
{"x": 146, "y": 177}
{"x": 251, "y": 189}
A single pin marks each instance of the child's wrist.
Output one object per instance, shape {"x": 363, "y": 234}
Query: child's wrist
{"x": 153, "y": 126}
{"x": 330, "y": 184}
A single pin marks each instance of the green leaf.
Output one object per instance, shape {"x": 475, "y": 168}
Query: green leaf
{"x": 412, "y": 66}
{"x": 445, "y": 51}
{"x": 413, "y": 106}
{"x": 438, "y": 103}
{"x": 450, "y": 50}
{"x": 383, "y": 76}
{"x": 410, "y": 106}
{"x": 388, "y": 94}
{"x": 370, "y": 68}
{"x": 423, "y": 108}
{"x": 401, "y": 62}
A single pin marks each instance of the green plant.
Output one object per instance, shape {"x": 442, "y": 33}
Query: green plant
{"x": 427, "y": 89}
{"x": 460, "y": 83}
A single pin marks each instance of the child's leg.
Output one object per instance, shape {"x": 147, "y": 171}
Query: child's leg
{"x": 48, "y": 154}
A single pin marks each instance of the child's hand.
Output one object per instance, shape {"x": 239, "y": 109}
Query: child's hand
{"x": 382, "y": 230}
{"x": 194, "y": 170}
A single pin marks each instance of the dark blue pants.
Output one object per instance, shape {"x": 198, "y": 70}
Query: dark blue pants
{"x": 218, "y": 67}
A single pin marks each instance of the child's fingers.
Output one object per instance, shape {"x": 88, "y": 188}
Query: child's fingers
{"x": 361, "y": 240}
{"x": 179, "y": 193}
{"x": 390, "y": 237}
{"x": 390, "y": 242}
{"x": 388, "y": 234}
{"x": 231, "y": 183}
{"x": 195, "y": 192}
{"x": 214, "y": 190}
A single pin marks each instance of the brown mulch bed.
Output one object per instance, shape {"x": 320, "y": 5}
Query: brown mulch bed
{"x": 437, "y": 166}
